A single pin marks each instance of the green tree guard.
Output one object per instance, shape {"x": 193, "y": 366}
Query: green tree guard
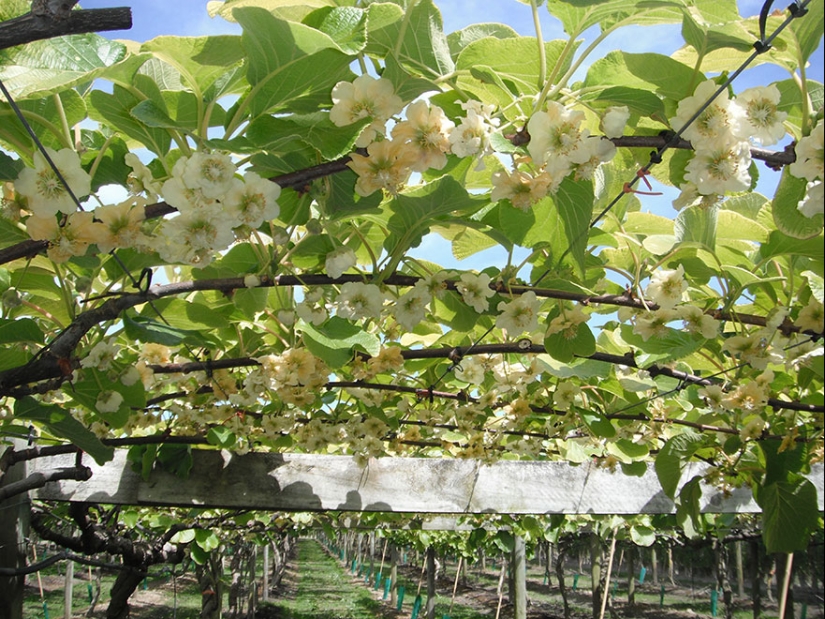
{"x": 662, "y": 597}
{"x": 368, "y": 575}
{"x": 378, "y": 579}
{"x": 90, "y": 592}
{"x": 354, "y": 565}
{"x": 401, "y": 591}
{"x": 416, "y": 607}
{"x": 45, "y": 610}
{"x": 387, "y": 586}
{"x": 642, "y": 573}
{"x": 145, "y": 585}
{"x": 714, "y": 600}
{"x": 575, "y": 581}
{"x": 804, "y": 614}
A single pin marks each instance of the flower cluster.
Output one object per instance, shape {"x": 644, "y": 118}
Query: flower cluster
{"x": 720, "y": 138}
{"x": 809, "y": 164}
{"x": 295, "y": 376}
{"x": 214, "y": 206}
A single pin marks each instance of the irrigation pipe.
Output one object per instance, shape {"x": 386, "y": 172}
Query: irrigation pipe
{"x": 606, "y": 590}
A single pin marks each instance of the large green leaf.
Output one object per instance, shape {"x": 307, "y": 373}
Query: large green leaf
{"x": 672, "y": 458}
{"x": 790, "y": 99}
{"x": 19, "y": 330}
{"x": 46, "y": 67}
{"x": 45, "y": 116}
{"x": 92, "y": 383}
{"x": 460, "y": 39}
{"x": 347, "y": 26}
{"x": 653, "y": 72}
{"x": 697, "y": 224}
{"x": 289, "y": 64}
{"x": 62, "y": 424}
{"x": 576, "y": 16}
{"x": 707, "y": 37}
{"x": 417, "y": 41}
{"x": 807, "y": 30}
{"x": 116, "y": 110}
{"x": 789, "y": 514}
{"x": 202, "y": 62}
{"x": 566, "y": 347}
{"x": 274, "y": 133}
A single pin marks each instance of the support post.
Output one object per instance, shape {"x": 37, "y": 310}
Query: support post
{"x": 68, "y": 590}
{"x": 519, "y": 567}
{"x": 14, "y": 519}
{"x": 430, "y": 582}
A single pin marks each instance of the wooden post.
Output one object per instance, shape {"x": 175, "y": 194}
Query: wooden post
{"x": 519, "y": 568}
{"x": 430, "y": 582}
{"x": 14, "y": 520}
{"x": 632, "y": 552}
{"x": 740, "y": 570}
{"x": 68, "y": 590}
{"x": 654, "y": 565}
{"x": 784, "y": 570}
{"x": 596, "y": 575}
{"x": 266, "y": 573}
{"x": 606, "y": 589}
{"x": 394, "y": 558}
{"x": 756, "y": 579}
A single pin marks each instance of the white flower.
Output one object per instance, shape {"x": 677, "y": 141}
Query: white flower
{"x": 654, "y": 324}
{"x": 252, "y": 201}
{"x": 427, "y": 130}
{"x": 108, "y": 402}
{"x": 721, "y": 168}
{"x": 554, "y": 133}
{"x": 312, "y": 314}
{"x": 697, "y": 321}
{"x": 123, "y": 224}
{"x": 753, "y": 429}
{"x": 411, "y": 307}
{"x": 690, "y": 196}
{"x": 130, "y": 376}
{"x": 520, "y": 188}
{"x": 814, "y": 201}
{"x": 519, "y": 315}
{"x": 811, "y": 317}
{"x": 101, "y": 356}
{"x": 141, "y": 180}
{"x": 45, "y": 193}
{"x": 614, "y": 120}
{"x": 358, "y": 300}
{"x": 69, "y": 240}
{"x": 471, "y": 370}
{"x": 387, "y": 166}
{"x": 194, "y": 237}
{"x": 667, "y": 287}
{"x": 589, "y": 154}
{"x": 762, "y": 118}
{"x": 212, "y": 173}
{"x": 720, "y": 121}
{"x": 564, "y": 395}
{"x": 338, "y": 261}
{"x": 810, "y": 155}
{"x": 472, "y": 136}
{"x": 753, "y": 349}
{"x": 475, "y": 290}
{"x": 251, "y": 281}
{"x": 365, "y": 97}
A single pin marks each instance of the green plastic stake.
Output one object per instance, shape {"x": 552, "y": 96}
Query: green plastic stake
{"x": 714, "y": 600}
{"x": 45, "y": 610}
{"x": 416, "y": 607}
{"x": 354, "y": 563}
{"x": 401, "y": 591}
{"x": 804, "y": 614}
{"x": 662, "y": 597}
{"x": 378, "y": 579}
{"x": 575, "y": 581}
{"x": 145, "y": 584}
{"x": 642, "y": 573}
{"x": 387, "y": 585}
{"x": 89, "y": 590}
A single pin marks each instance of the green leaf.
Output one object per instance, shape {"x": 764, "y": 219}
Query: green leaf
{"x": 20, "y": 330}
{"x": 673, "y": 345}
{"x": 566, "y": 346}
{"x": 786, "y": 215}
{"x": 672, "y": 458}
{"x": 198, "y": 554}
{"x": 116, "y": 110}
{"x": 652, "y": 72}
{"x": 807, "y": 31}
{"x": 93, "y": 382}
{"x": 347, "y": 26}
{"x": 221, "y": 436}
{"x": 289, "y": 64}
{"x": 206, "y": 539}
{"x": 460, "y": 39}
{"x": 789, "y": 514}
{"x": 177, "y": 459}
{"x": 688, "y": 513}
{"x": 335, "y": 340}
{"x": 9, "y": 169}
{"x": 419, "y": 38}
{"x": 597, "y": 423}
{"x": 574, "y": 200}
{"x": 638, "y": 101}
{"x": 180, "y": 112}
{"x": 781, "y": 244}
{"x": 276, "y": 134}
{"x": 705, "y": 37}
{"x": 62, "y": 424}
{"x": 145, "y": 329}
{"x": 576, "y": 16}
{"x": 42, "y": 68}
{"x": 643, "y": 536}
{"x": 697, "y": 224}
{"x": 46, "y": 118}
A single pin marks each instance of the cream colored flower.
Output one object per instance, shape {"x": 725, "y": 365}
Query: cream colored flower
{"x": 697, "y": 321}
{"x": 141, "y": 181}
{"x": 810, "y": 155}
{"x": 690, "y": 196}
{"x": 475, "y": 290}
{"x": 252, "y": 201}
{"x": 590, "y": 154}
{"x": 472, "y": 136}
{"x": 721, "y": 121}
{"x": 411, "y": 307}
{"x": 811, "y": 317}
{"x": 666, "y": 287}
{"x": 720, "y": 168}
{"x": 339, "y": 261}
{"x": 654, "y": 324}
{"x": 123, "y": 224}
{"x": 614, "y": 121}
{"x": 565, "y": 395}
{"x": 69, "y": 240}
{"x": 763, "y": 121}
{"x": 519, "y": 315}
{"x": 358, "y": 300}
{"x": 567, "y": 322}
{"x": 101, "y": 356}
{"x": 45, "y": 193}
{"x": 365, "y": 97}
{"x": 554, "y": 133}
{"x": 814, "y": 201}
{"x": 194, "y": 237}
{"x": 520, "y": 188}
{"x": 212, "y": 173}
{"x": 387, "y": 166}
{"x": 108, "y": 402}
{"x": 427, "y": 130}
